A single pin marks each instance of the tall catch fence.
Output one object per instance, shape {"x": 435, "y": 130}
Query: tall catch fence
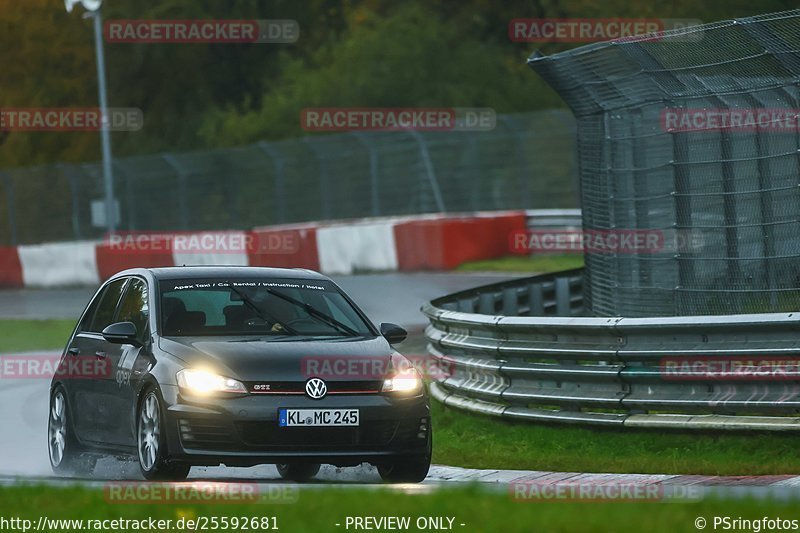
{"x": 693, "y": 132}
{"x": 526, "y": 161}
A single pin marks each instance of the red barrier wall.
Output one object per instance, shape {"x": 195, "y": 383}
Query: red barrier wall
{"x": 444, "y": 243}
{"x": 10, "y": 267}
{"x": 287, "y": 247}
{"x": 111, "y": 260}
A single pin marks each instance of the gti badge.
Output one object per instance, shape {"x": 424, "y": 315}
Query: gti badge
{"x": 316, "y": 388}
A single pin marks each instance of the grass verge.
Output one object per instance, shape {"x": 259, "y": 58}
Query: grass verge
{"x": 322, "y": 509}
{"x": 536, "y": 263}
{"x": 29, "y": 335}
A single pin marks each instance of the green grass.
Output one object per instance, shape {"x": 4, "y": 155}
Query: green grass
{"x": 28, "y": 335}
{"x": 321, "y": 509}
{"x": 536, "y": 263}
{"x": 476, "y": 441}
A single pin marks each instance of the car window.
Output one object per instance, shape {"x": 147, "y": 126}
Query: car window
{"x": 86, "y": 322}
{"x": 339, "y": 309}
{"x": 134, "y": 306}
{"x": 257, "y": 307}
{"x": 211, "y": 302}
{"x": 104, "y": 314}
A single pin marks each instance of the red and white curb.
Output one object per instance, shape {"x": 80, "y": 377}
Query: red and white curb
{"x": 452, "y": 473}
{"x": 405, "y": 244}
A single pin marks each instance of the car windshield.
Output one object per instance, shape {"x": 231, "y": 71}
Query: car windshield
{"x": 268, "y": 308}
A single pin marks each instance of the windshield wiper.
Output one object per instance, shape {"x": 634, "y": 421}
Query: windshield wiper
{"x": 263, "y": 315}
{"x": 316, "y": 313}
{"x": 276, "y": 337}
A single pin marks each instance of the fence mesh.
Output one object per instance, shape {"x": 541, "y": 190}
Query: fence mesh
{"x": 527, "y": 161}
{"x": 730, "y": 193}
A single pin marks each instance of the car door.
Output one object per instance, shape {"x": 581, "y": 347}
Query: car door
{"x": 118, "y": 392}
{"x": 83, "y": 389}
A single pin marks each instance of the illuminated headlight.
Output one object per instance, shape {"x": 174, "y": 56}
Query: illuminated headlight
{"x": 408, "y": 382}
{"x": 204, "y": 382}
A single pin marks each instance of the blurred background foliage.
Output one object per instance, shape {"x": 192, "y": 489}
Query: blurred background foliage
{"x": 350, "y": 53}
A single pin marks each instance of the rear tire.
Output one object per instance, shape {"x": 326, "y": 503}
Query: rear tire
{"x": 151, "y": 442}
{"x": 298, "y": 471}
{"x": 66, "y": 455}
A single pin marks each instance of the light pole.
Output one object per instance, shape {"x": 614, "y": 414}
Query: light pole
{"x": 93, "y": 10}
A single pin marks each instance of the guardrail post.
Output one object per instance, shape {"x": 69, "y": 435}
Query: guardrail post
{"x": 535, "y": 300}
{"x": 563, "y": 304}
{"x": 486, "y": 303}
{"x": 510, "y": 303}
{"x": 466, "y": 305}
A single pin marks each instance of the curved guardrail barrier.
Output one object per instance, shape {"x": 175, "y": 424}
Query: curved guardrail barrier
{"x": 521, "y": 349}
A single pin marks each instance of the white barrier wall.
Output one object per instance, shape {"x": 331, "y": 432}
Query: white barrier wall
{"x": 210, "y": 248}
{"x": 343, "y": 249}
{"x": 372, "y": 245}
{"x": 59, "y": 264}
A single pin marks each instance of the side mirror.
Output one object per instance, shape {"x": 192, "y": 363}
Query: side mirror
{"x": 122, "y": 333}
{"x": 393, "y": 333}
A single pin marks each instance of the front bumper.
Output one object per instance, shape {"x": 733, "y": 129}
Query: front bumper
{"x": 244, "y": 431}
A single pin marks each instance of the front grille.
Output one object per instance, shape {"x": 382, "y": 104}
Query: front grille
{"x": 208, "y": 434}
{"x": 299, "y": 387}
{"x": 270, "y": 435}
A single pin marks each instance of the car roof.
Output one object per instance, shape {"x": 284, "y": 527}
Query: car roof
{"x": 199, "y": 272}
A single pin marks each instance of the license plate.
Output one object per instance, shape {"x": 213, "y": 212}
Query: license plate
{"x": 317, "y": 417}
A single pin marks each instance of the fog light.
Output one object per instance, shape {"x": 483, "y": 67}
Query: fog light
{"x": 423, "y": 428}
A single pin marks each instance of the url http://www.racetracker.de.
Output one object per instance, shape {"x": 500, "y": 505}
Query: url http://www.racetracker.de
{"x": 201, "y": 523}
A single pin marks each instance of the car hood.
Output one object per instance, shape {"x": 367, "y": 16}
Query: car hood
{"x": 284, "y": 360}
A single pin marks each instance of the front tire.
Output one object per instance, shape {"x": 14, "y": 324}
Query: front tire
{"x": 298, "y": 471}
{"x": 405, "y": 470}
{"x": 66, "y": 457}
{"x": 151, "y": 446}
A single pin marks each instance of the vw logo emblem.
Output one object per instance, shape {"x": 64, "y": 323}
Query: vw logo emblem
{"x": 316, "y": 388}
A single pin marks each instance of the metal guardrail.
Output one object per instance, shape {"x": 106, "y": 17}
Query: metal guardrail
{"x": 521, "y": 350}
{"x": 554, "y": 218}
